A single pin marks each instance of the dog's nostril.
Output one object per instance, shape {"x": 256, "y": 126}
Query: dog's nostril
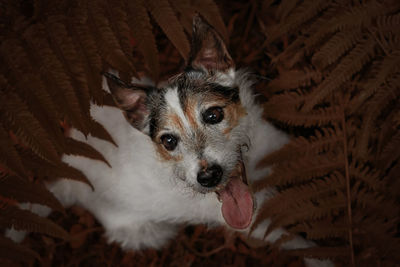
{"x": 210, "y": 177}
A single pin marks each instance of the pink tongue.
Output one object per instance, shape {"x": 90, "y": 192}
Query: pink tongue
{"x": 237, "y": 204}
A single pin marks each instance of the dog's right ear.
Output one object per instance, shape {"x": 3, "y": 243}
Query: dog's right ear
{"x": 131, "y": 99}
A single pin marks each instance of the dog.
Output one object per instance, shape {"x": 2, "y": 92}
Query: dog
{"x": 186, "y": 153}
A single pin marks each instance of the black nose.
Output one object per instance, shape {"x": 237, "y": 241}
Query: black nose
{"x": 210, "y": 177}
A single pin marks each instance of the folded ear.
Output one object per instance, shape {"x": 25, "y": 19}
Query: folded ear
{"x": 131, "y": 99}
{"x": 208, "y": 49}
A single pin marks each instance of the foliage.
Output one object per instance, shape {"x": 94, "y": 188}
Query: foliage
{"x": 335, "y": 86}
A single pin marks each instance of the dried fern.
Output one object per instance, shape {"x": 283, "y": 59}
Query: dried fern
{"x": 339, "y": 184}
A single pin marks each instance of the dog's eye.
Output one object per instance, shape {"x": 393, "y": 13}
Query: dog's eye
{"x": 169, "y": 141}
{"x": 213, "y": 115}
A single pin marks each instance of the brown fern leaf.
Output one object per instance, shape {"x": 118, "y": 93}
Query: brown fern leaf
{"x": 97, "y": 130}
{"x": 24, "y": 191}
{"x": 304, "y": 211}
{"x": 9, "y": 157}
{"x": 386, "y": 69}
{"x": 321, "y": 252}
{"x": 357, "y": 58}
{"x": 109, "y": 46}
{"x": 118, "y": 17}
{"x": 302, "y": 13}
{"x": 64, "y": 48}
{"x": 381, "y": 99}
{"x": 293, "y": 79}
{"x": 16, "y": 252}
{"x": 324, "y": 140}
{"x": 50, "y": 171}
{"x": 165, "y": 17}
{"x": 209, "y": 10}
{"x": 388, "y": 23}
{"x": 369, "y": 176}
{"x": 337, "y": 46}
{"x": 298, "y": 195}
{"x": 75, "y": 147}
{"x": 375, "y": 205}
{"x": 18, "y": 219}
{"x": 285, "y": 7}
{"x": 142, "y": 32}
{"x": 300, "y": 170}
{"x": 16, "y": 117}
{"x": 391, "y": 152}
{"x": 23, "y": 75}
{"x": 87, "y": 49}
{"x": 349, "y": 17}
{"x": 54, "y": 75}
{"x": 291, "y": 116}
{"x": 324, "y": 229}
{"x": 185, "y": 12}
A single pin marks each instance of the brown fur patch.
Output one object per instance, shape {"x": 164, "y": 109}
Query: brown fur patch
{"x": 233, "y": 113}
{"x": 190, "y": 113}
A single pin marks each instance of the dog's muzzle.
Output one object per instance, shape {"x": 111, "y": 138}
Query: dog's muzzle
{"x": 210, "y": 176}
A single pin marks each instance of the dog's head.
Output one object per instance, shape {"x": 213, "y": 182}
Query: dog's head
{"x": 197, "y": 123}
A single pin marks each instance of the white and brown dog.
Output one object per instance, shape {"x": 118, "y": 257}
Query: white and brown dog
{"x": 186, "y": 158}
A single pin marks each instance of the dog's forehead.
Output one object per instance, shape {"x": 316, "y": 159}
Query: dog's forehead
{"x": 179, "y": 102}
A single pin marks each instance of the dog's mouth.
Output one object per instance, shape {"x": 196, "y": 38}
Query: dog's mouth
{"x": 237, "y": 200}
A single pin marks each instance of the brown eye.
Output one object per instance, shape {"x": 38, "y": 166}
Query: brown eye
{"x": 213, "y": 115}
{"x": 169, "y": 141}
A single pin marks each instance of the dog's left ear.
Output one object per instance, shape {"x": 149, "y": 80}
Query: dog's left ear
{"x": 131, "y": 99}
{"x": 208, "y": 49}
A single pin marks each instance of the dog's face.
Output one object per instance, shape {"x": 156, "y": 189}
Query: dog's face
{"x": 196, "y": 120}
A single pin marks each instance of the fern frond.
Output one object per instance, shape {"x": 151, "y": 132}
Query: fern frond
{"x": 357, "y": 58}
{"x": 75, "y": 147}
{"x": 16, "y": 117}
{"x": 387, "y": 69}
{"x": 321, "y": 252}
{"x": 15, "y": 252}
{"x": 118, "y": 17}
{"x": 370, "y": 177}
{"x": 302, "y": 13}
{"x": 209, "y": 10}
{"x": 294, "y": 78}
{"x": 22, "y": 190}
{"x": 381, "y": 99}
{"x": 388, "y": 23}
{"x": 165, "y": 17}
{"x": 109, "y": 47}
{"x": 337, "y": 46}
{"x": 300, "y": 170}
{"x": 54, "y": 75}
{"x": 24, "y": 75}
{"x": 87, "y": 49}
{"x": 18, "y": 219}
{"x": 296, "y": 195}
{"x": 63, "y": 46}
{"x": 291, "y": 116}
{"x": 323, "y": 229}
{"x": 51, "y": 171}
{"x": 9, "y": 157}
{"x": 141, "y": 28}
{"x": 324, "y": 140}
{"x": 391, "y": 151}
{"x": 98, "y": 130}
{"x": 285, "y": 7}
{"x": 304, "y": 211}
